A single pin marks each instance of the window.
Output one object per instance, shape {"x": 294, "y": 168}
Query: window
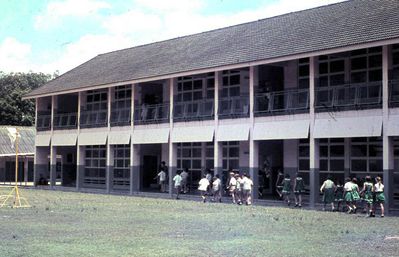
{"x": 332, "y": 155}
{"x": 395, "y": 62}
{"x": 303, "y": 73}
{"x": 122, "y": 97}
{"x": 231, "y": 83}
{"x": 121, "y": 165}
{"x": 366, "y": 65}
{"x": 331, "y": 70}
{"x": 95, "y": 165}
{"x": 189, "y": 89}
{"x": 366, "y": 155}
{"x": 231, "y": 155}
{"x": 96, "y": 100}
{"x": 189, "y": 155}
{"x": 303, "y": 155}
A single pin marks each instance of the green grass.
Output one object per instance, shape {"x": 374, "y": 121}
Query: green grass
{"x": 76, "y": 224}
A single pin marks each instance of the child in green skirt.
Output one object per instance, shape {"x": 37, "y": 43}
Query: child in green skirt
{"x": 287, "y": 188}
{"x": 379, "y": 194}
{"x": 339, "y": 194}
{"x": 367, "y": 192}
{"x": 299, "y": 187}
{"x": 328, "y": 188}
{"x": 348, "y": 194}
{"x": 355, "y": 194}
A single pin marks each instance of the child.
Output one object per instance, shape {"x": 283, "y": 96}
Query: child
{"x": 161, "y": 176}
{"x": 203, "y": 188}
{"x": 355, "y": 194}
{"x": 247, "y": 189}
{"x": 379, "y": 194}
{"x": 177, "y": 179}
{"x": 287, "y": 189}
{"x": 348, "y": 194}
{"x": 299, "y": 187}
{"x": 238, "y": 192}
{"x": 184, "y": 181}
{"x": 328, "y": 189}
{"x": 339, "y": 194}
{"x": 279, "y": 183}
{"x": 231, "y": 186}
{"x": 217, "y": 189}
{"x": 367, "y": 193}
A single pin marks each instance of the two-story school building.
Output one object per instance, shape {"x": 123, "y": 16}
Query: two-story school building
{"x": 314, "y": 91}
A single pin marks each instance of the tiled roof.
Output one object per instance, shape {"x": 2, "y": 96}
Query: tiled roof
{"x": 327, "y": 27}
{"x": 26, "y": 144}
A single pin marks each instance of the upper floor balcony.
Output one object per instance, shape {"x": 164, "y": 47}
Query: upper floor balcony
{"x": 282, "y": 102}
{"x": 349, "y": 97}
{"x": 394, "y": 93}
{"x": 194, "y": 110}
{"x": 234, "y": 107}
{"x": 93, "y": 119}
{"x": 120, "y": 114}
{"x": 65, "y": 120}
{"x": 43, "y": 121}
{"x": 149, "y": 114}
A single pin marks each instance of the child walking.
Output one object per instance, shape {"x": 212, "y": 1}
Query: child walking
{"x": 217, "y": 189}
{"x": 379, "y": 194}
{"x": 287, "y": 189}
{"x": 367, "y": 192}
{"x": 231, "y": 186}
{"x": 177, "y": 179}
{"x": 348, "y": 194}
{"x": 355, "y": 194}
{"x": 247, "y": 189}
{"x": 299, "y": 187}
{"x": 203, "y": 188}
{"x": 339, "y": 194}
{"x": 328, "y": 189}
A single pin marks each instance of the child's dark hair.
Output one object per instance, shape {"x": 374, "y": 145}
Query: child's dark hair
{"x": 347, "y": 179}
{"x": 354, "y": 180}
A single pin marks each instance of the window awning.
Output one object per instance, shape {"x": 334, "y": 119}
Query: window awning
{"x": 93, "y": 138}
{"x": 192, "y": 134}
{"x": 339, "y": 127}
{"x": 150, "y": 136}
{"x": 64, "y": 139}
{"x": 42, "y": 139}
{"x": 119, "y": 137}
{"x": 278, "y": 130}
{"x": 233, "y": 132}
{"x": 393, "y": 125}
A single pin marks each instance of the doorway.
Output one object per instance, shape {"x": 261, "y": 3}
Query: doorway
{"x": 150, "y": 171}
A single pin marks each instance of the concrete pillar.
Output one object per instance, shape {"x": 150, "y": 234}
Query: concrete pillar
{"x": 53, "y": 165}
{"x": 218, "y": 158}
{"x": 203, "y": 156}
{"x": 80, "y": 163}
{"x": 172, "y": 165}
{"x": 135, "y": 168}
{"x": 218, "y": 146}
{"x": 109, "y": 175}
{"x": 347, "y": 161}
{"x": 314, "y": 156}
{"x": 388, "y": 145}
{"x": 254, "y": 165}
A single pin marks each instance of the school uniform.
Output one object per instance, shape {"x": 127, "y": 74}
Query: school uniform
{"x": 348, "y": 191}
{"x": 286, "y": 186}
{"x": 355, "y": 192}
{"x": 328, "y": 191}
{"x": 299, "y": 186}
{"x": 368, "y": 192}
{"x": 379, "y": 193}
{"x": 339, "y": 193}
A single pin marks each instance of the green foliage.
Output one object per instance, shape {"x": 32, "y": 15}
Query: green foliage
{"x": 14, "y": 110}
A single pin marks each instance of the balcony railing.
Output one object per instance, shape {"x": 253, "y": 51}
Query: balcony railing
{"x": 43, "y": 122}
{"x": 89, "y": 119}
{"x": 65, "y": 121}
{"x": 194, "y": 110}
{"x": 120, "y": 117}
{"x": 288, "y": 101}
{"x": 349, "y": 96}
{"x": 157, "y": 113}
{"x": 394, "y": 93}
{"x": 233, "y": 107}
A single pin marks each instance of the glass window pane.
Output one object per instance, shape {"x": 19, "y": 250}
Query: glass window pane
{"x": 324, "y": 165}
{"x": 359, "y": 150}
{"x": 304, "y": 165}
{"x": 337, "y": 165}
{"x": 337, "y": 151}
{"x": 359, "y": 165}
{"x": 375, "y": 165}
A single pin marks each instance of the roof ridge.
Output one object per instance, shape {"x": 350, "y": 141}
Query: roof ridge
{"x": 227, "y": 27}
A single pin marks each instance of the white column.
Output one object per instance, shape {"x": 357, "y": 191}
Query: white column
{"x": 110, "y": 168}
{"x": 109, "y": 99}
{"x": 35, "y": 157}
{"x": 218, "y": 146}
{"x": 53, "y": 165}
{"x": 314, "y": 169}
{"x": 79, "y": 149}
{"x": 253, "y": 145}
{"x": 134, "y": 156}
{"x": 388, "y": 148}
{"x": 172, "y": 146}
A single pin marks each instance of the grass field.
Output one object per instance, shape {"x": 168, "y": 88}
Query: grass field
{"x": 76, "y": 224}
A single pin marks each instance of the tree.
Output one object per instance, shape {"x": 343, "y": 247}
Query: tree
{"x": 14, "y": 110}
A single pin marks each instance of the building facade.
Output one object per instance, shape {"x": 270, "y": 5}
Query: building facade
{"x": 314, "y": 92}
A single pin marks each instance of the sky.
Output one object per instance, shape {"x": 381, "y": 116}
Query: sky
{"x": 56, "y": 36}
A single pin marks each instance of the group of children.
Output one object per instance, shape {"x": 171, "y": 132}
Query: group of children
{"x": 284, "y": 188}
{"x": 372, "y": 195}
{"x": 240, "y": 188}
